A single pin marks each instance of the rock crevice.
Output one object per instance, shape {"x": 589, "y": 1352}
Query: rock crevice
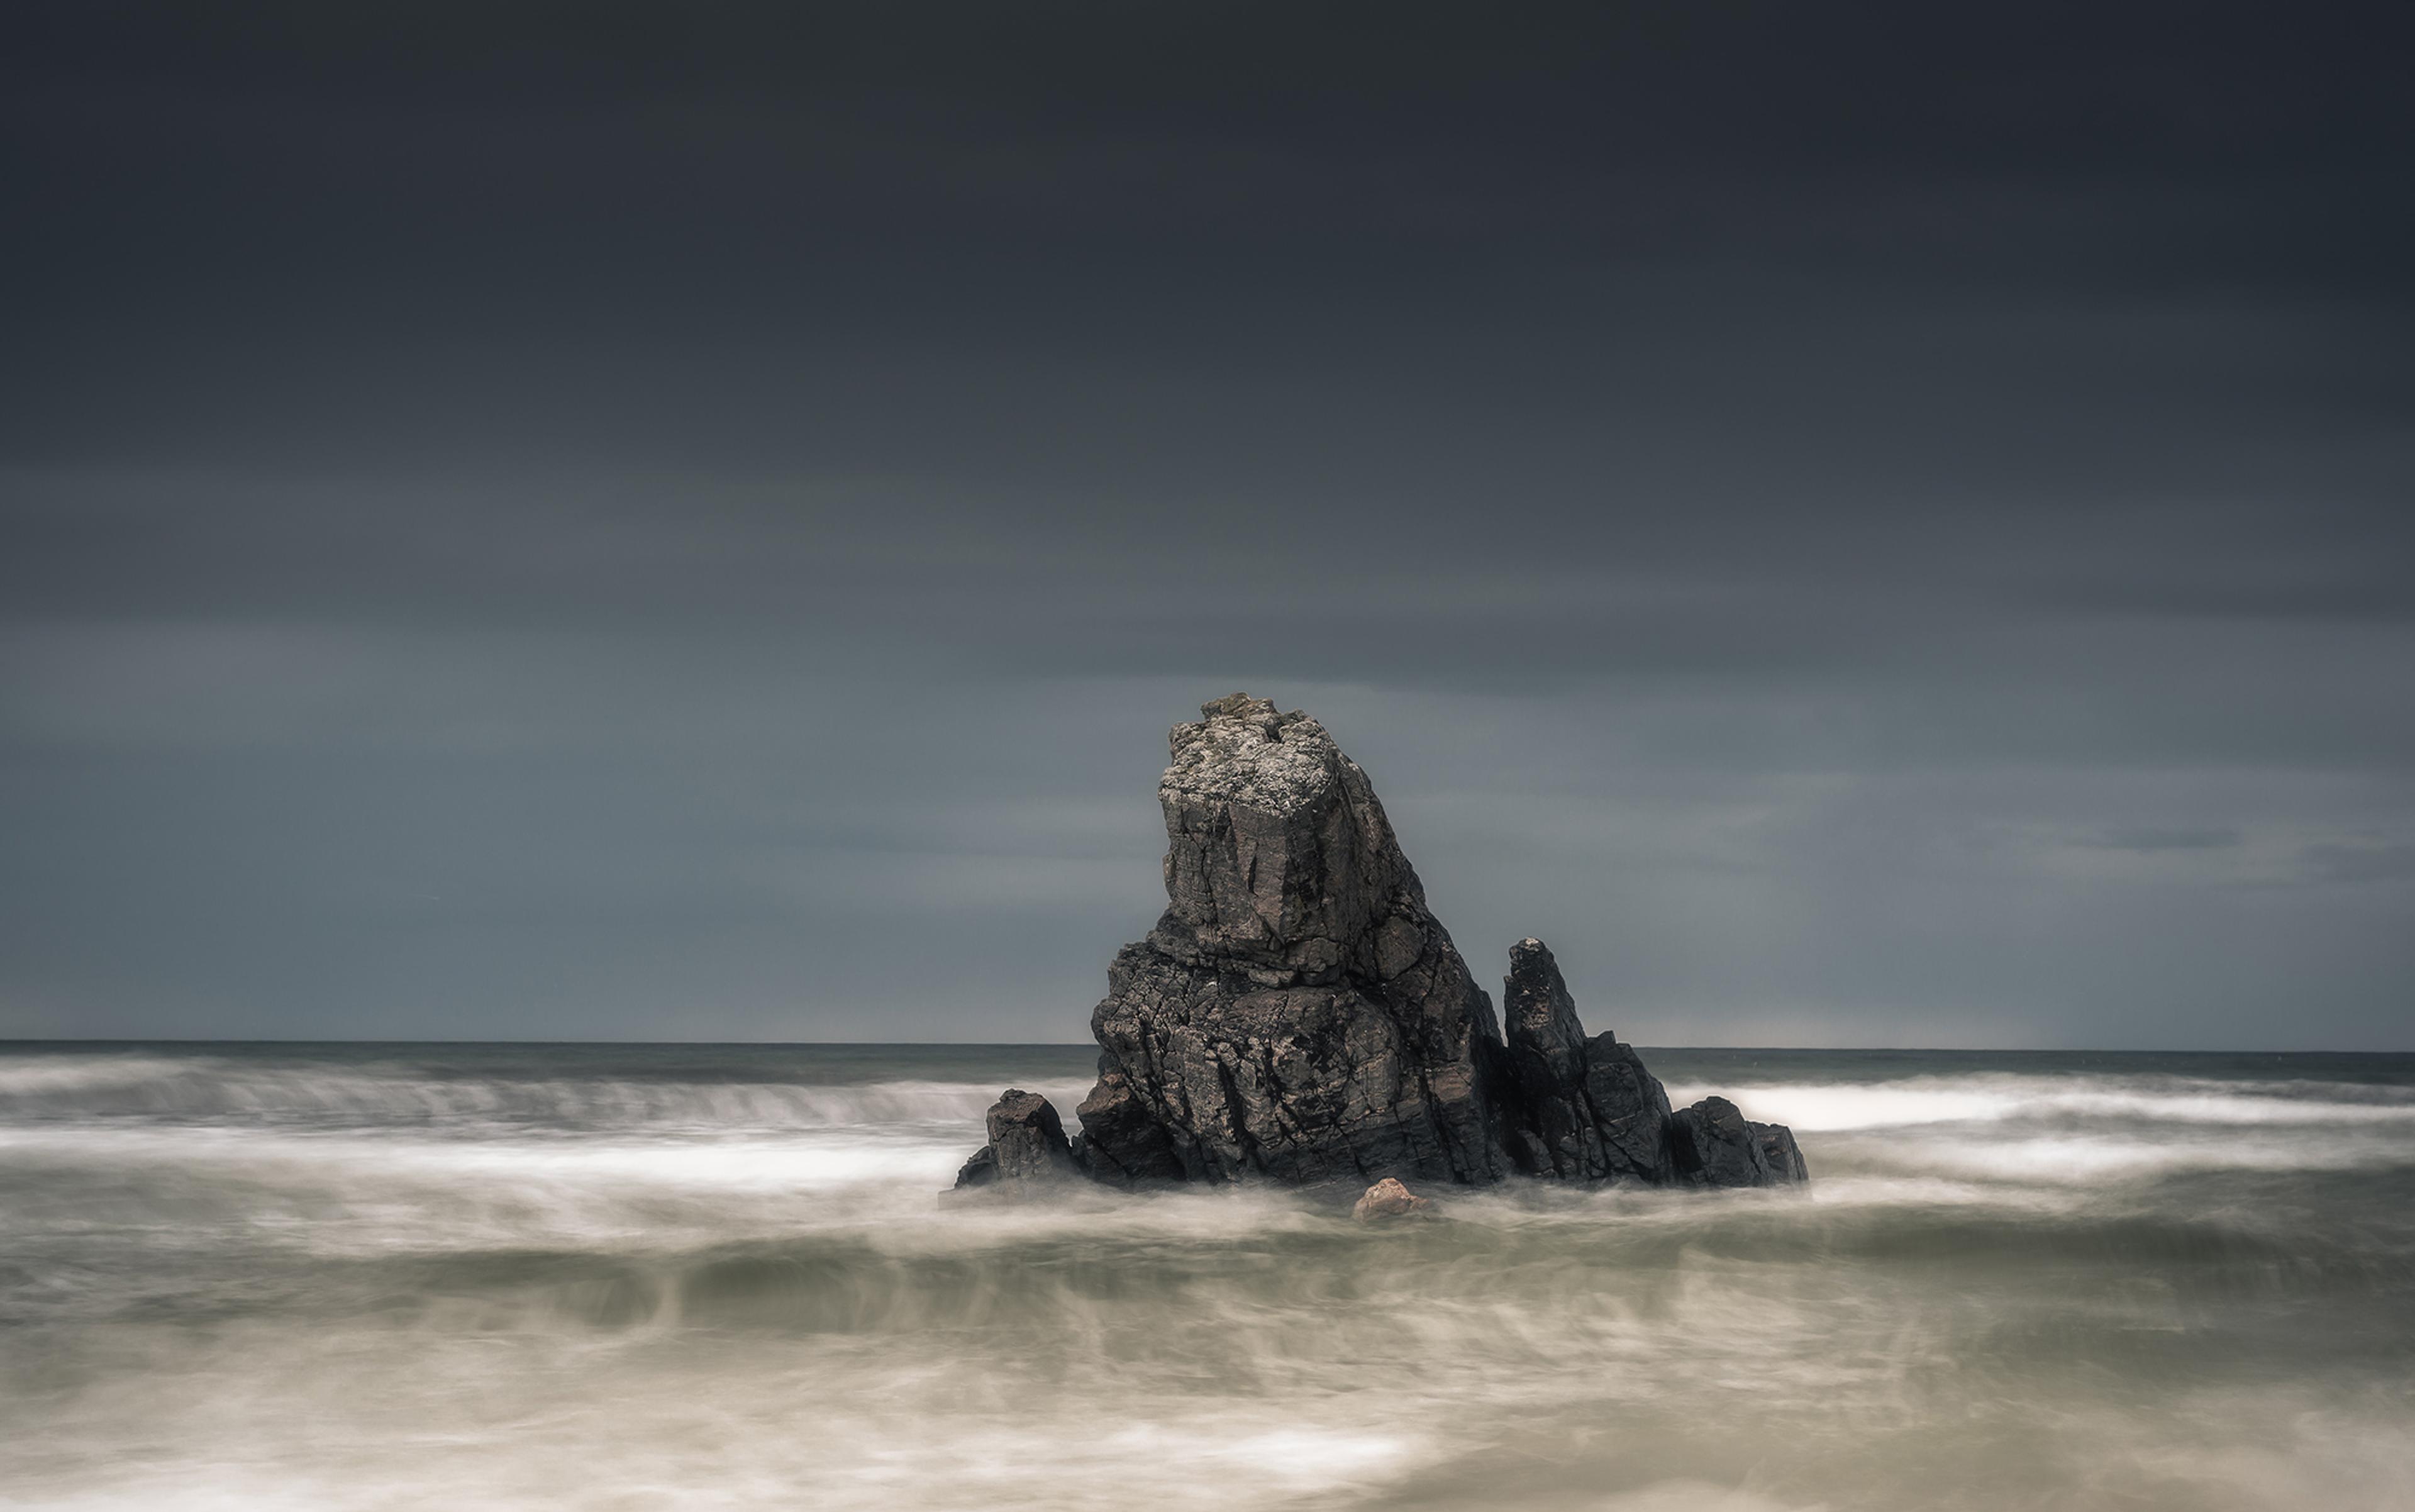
{"x": 1299, "y": 1015}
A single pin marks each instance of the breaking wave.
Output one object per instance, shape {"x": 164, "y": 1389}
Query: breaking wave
{"x": 375, "y": 1093}
{"x": 1816, "y": 1107}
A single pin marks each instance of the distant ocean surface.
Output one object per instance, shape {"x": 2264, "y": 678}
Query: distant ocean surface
{"x": 635, "y": 1277}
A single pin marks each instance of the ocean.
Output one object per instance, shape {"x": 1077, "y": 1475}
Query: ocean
{"x": 627, "y": 1277}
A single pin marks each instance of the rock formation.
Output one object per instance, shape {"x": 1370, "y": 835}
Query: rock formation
{"x": 1299, "y": 1015}
{"x": 1026, "y": 1147}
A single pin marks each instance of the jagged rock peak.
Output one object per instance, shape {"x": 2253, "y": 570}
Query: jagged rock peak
{"x": 1547, "y": 1059}
{"x": 1535, "y": 1003}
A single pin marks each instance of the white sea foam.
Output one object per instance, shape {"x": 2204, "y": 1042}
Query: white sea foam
{"x": 1697, "y": 1496}
{"x": 1817, "y": 1107}
{"x": 261, "y": 1281}
{"x": 52, "y": 1074}
{"x": 2081, "y": 1159}
{"x": 205, "y": 1088}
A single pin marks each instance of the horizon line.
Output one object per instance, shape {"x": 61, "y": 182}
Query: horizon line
{"x": 1083, "y": 1044}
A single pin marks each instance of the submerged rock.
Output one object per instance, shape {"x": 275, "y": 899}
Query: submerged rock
{"x": 1388, "y": 1198}
{"x": 1298, "y": 1014}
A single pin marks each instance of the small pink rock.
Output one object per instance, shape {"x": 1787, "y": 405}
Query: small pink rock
{"x": 1388, "y": 1198}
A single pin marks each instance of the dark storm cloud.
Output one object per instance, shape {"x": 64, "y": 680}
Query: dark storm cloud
{"x": 1859, "y": 524}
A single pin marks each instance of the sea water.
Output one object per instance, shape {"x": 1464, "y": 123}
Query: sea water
{"x": 671, "y": 1276}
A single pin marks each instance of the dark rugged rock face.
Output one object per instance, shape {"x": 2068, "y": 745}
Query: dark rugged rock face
{"x": 1299, "y": 1015}
{"x": 1779, "y": 1152}
{"x": 1593, "y": 1111}
{"x": 1027, "y": 1147}
{"x": 1713, "y": 1147}
{"x": 1296, "y": 1013}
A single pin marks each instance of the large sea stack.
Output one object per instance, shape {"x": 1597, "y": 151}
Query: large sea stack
{"x": 1298, "y": 1016}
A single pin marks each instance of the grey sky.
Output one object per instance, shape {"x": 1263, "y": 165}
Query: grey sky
{"x": 1866, "y": 526}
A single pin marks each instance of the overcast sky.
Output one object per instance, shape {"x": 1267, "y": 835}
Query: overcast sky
{"x": 1858, "y": 525}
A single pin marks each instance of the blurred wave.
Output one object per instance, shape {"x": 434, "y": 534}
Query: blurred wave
{"x": 221, "y": 1087}
{"x": 666, "y": 1277}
